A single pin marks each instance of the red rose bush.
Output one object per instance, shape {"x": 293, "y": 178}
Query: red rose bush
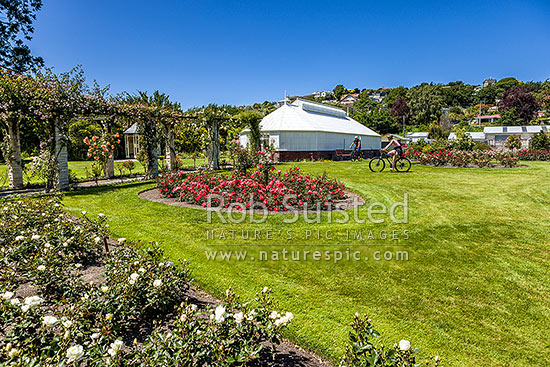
{"x": 249, "y": 191}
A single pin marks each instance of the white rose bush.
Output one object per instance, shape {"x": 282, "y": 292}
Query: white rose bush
{"x": 135, "y": 313}
{"x": 362, "y": 351}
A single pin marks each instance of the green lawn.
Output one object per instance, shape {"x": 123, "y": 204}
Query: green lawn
{"x": 79, "y": 169}
{"x": 475, "y": 288}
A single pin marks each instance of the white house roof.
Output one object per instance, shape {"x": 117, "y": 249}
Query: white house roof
{"x": 417, "y": 135}
{"x": 515, "y": 129}
{"x": 132, "y": 129}
{"x": 311, "y": 116}
{"x": 476, "y": 135}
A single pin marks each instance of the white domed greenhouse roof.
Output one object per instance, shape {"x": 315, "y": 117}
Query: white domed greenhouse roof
{"x": 314, "y": 117}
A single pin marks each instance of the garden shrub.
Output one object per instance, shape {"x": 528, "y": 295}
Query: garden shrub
{"x": 461, "y": 158}
{"x": 540, "y": 141}
{"x": 513, "y": 142}
{"x": 69, "y": 322}
{"x": 246, "y": 191}
{"x": 534, "y": 155}
{"x": 362, "y": 351}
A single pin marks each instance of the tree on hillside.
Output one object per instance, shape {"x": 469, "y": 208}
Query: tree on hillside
{"x": 400, "y": 110}
{"x": 458, "y": 94}
{"x": 338, "y": 91}
{"x": 16, "y": 17}
{"x": 377, "y": 119}
{"x": 522, "y": 101}
{"x": 425, "y": 102}
{"x": 394, "y": 93}
{"x": 495, "y": 91}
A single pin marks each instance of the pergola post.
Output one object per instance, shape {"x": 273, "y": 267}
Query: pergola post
{"x": 62, "y": 159}
{"x": 15, "y": 164}
{"x": 214, "y": 149}
{"x": 169, "y": 153}
{"x": 154, "y": 163}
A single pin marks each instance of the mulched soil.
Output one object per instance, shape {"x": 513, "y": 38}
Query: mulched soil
{"x": 286, "y": 353}
{"x": 352, "y": 200}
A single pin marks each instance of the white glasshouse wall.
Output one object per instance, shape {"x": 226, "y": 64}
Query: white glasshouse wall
{"x": 296, "y": 141}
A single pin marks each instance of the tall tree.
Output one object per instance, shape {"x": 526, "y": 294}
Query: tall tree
{"x": 458, "y": 94}
{"x": 338, "y": 91}
{"x": 394, "y": 93}
{"x": 425, "y": 102}
{"x": 400, "y": 110}
{"x": 521, "y": 101}
{"x": 16, "y": 18}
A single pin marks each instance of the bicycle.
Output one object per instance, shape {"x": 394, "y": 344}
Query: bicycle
{"x": 377, "y": 164}
{"x": 355, "y": 155}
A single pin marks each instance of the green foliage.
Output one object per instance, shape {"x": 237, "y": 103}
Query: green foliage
{"x": 16, "y": 28}
{"x": 252, "y": 119}
{"x": 513, "y": 142}
{"x": 458, "y": 94}
{"x": 463, "y": 141}
{"x": 338, "y": 91}
{"x": 78, "y": 130}
{"x": 540, "y": 141}
{"x": 510, "y": 118}
{"x": 394, "y": 93}
{"x": 437, "y": 132}
{"x": 425, "y": 102}
{"x": 363, "y": 351}
{"x": 378, "y": 119}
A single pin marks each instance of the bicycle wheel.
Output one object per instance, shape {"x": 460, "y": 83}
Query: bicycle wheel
{"x": 402, "y": 164}
{"x": 377, "y": 164}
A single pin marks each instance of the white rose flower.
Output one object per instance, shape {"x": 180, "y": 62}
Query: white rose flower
{"x": 84, "y": 212}
{"x": 104, "y": 289}
{"x": 274, "y": 315}
{"x": 404, "y": 345}
{"x": 97, "y": 239}
{"x": 157, "y": 283}
{"x": 35, "y": 237}
{"x": 239, "y": 316}
{"x": 33, "y": 301}
{"x": 20, "y": 238}
{"x": 121, "y": 240}
{"x": 67, "y": 323}
{"x": 115, "y": 347}
{"x": 41, "y": 268}
{"x": 265, "y": 289}
{"x": 219, "y": 314}
{"x": 75, "y": 352}
{"x": 161, "y": 265}
{"x": 15, "y": 301}
{"x": 7, "y": 295}
{"x": 13, "y": 352}
{"x": 193, "y": 307}
{"x": 94, "y": 336}
{"x": 49, "y": 320}
{"x": 141, "y": 270}
{"x": 101, "y": 215}
{"x": 25, "y": 308}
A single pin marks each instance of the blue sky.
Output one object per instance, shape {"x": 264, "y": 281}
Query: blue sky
{"x": 240, "y": 52}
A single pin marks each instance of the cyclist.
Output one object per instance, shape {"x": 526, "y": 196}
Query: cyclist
{"x": 356, "y": 144}
{"x": 397, "y": 149}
